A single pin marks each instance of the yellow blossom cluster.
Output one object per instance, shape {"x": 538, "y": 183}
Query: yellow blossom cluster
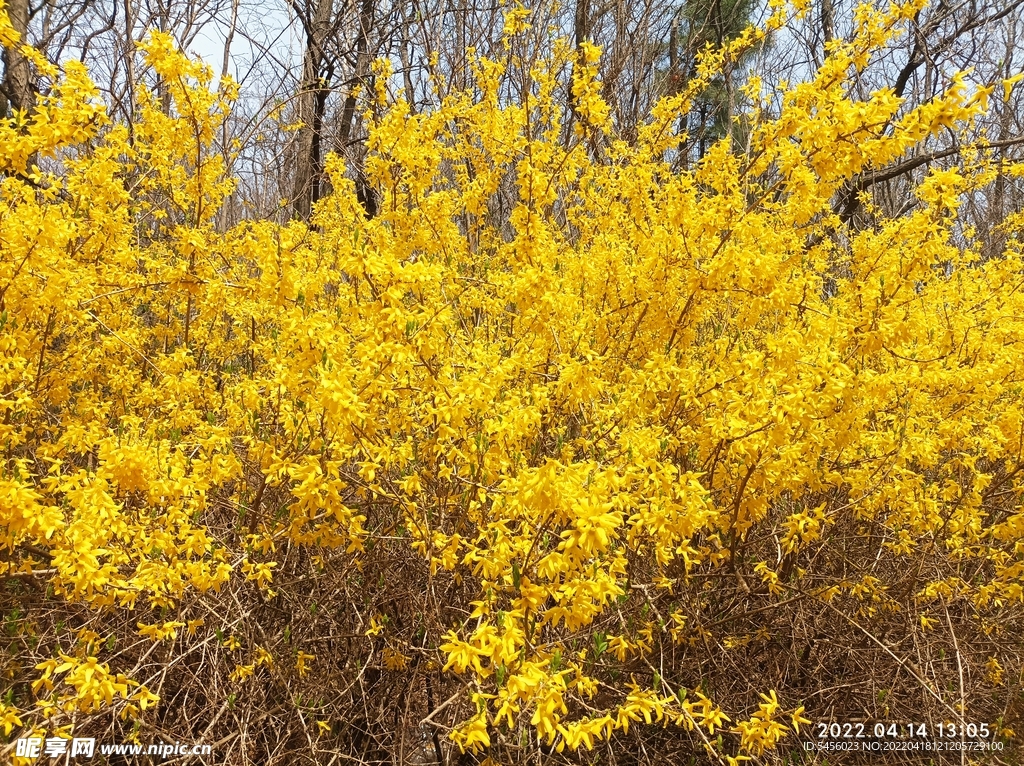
{"x": 636, "y": 376}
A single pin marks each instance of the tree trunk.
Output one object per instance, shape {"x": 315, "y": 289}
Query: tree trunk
{"x": 581, "y": 33}
{"x": 18, "y": 89}
{"x": 346, "y": 146}
{"x": 311, "y": 103}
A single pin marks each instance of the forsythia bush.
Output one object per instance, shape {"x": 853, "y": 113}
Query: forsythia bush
{"x": 633, "y": 428}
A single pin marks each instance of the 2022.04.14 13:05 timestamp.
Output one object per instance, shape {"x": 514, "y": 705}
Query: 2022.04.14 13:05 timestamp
{"x": 836, "y": 730}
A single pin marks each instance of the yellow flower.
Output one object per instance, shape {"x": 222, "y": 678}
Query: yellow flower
{"x": 300, "y": 663}
{"x": 797, "y": 718}
{"x": 395, "y": 660}
{"x": 241, "y": 672}
{"x": 472, "y": 735}
{"x": 1008, "y": 84}
{"x": 9, "y": 718}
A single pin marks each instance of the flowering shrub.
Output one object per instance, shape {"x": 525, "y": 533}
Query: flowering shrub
{"x": 642, "y": 452}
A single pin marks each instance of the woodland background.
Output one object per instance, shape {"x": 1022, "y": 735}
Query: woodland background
{"x": 307, "y": 64}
